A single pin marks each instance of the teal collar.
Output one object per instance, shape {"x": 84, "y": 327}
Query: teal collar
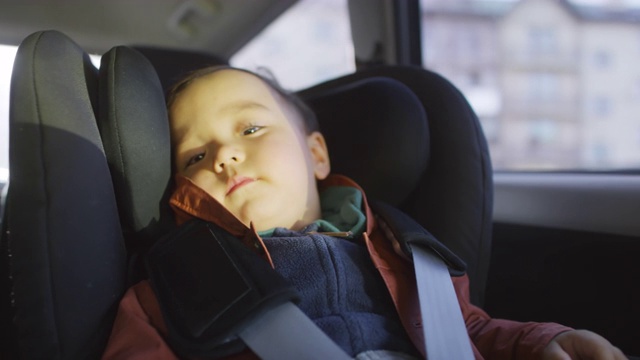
{"x": 341, "y": 212}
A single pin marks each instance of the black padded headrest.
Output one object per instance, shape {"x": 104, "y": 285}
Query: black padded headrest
{"x": 454, "y": 199}
{"x": 135, "y": 132}
{"x": 377, "y": 134}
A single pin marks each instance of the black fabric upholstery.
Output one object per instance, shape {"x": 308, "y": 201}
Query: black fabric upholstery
{"x": 376, "y": 132}
{"x": 135, "y": 132}
{"x": 67, "y": 254}
{"x": 454, "y": 198}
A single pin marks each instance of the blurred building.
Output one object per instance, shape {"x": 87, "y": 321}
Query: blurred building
{"x": 556, "y": 85}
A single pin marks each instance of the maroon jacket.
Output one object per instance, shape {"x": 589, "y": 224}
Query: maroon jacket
{"x": 139, "y": 330}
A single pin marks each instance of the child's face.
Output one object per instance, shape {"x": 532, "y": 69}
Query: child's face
{"x": 238, "y": 140}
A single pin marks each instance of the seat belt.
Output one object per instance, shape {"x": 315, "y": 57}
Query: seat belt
{"x": 445, "y": 333}
{"x": 285, "y": 332}
{"x": 256, "y": 307}
{"x": 297, "y": 337}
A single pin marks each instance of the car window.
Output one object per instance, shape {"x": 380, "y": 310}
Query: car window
{"x": 555, "y": 91}
{"x": 309, "y": 43}
{"x": 7, "y": 54}
{"x": 556, "y": 84}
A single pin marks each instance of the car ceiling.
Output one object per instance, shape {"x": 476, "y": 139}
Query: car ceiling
{"x": 219, "y": 27}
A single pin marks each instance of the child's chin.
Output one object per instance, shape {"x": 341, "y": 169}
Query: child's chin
{"x": 254, "y": 213}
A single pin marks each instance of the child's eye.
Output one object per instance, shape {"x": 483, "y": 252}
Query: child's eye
{"x": 252, "y": 129}
{"x": 194, "y": 159}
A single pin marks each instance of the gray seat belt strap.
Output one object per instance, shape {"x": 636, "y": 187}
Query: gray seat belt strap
{"x": 285, "y": 332}
{"x": 445, "y": 332}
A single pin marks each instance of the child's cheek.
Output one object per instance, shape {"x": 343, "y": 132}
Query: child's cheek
{"x": 207, "y": 182}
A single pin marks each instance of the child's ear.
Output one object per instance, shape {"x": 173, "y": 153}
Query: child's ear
{"x": 319, "y": 155}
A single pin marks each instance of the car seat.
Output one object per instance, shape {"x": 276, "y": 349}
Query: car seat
{"x": 89, "y": 172}
{"x": 451, "y": 194}
{"x": 78, "y": 189}
{"x": 453, "y": 199}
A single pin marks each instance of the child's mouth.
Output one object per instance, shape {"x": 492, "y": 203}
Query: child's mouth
{"x": 237, "y": 182}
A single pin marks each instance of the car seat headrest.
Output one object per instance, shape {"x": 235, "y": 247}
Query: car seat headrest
{"x": 377, "y": 134}
{"x": 135, "y": 132}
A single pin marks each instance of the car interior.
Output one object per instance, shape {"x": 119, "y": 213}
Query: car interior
{"x": 90, "y": 169}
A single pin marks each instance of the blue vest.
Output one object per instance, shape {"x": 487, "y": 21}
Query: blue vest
{"x": 341, "y": 290}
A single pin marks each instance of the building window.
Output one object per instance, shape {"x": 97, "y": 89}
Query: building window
{"x": 541, "y": 132}
{"x": 600, "y": 154}
{"x": 602, "y": 59}
{"x": 601, "y": 106}
{"x": 543, "y": 86}
{"x": 542, "y": 41}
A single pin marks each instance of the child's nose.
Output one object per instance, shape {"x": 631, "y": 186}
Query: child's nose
{"x": 227, "y": 156}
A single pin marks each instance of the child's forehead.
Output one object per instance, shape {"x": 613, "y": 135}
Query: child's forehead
{"x": 228, "y": 91}
{"x": 223, "y": 89}
{"x": 226, "y": 81}
{"x": 229, "y": 86}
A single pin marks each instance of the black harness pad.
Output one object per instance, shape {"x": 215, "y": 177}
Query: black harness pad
{"x": 210, "y": 287}
{"x": 409, "y": 233}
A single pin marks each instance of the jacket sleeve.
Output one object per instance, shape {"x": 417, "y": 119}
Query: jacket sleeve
{"x": 137, "y": 330}
{"x": 503, "y": 339}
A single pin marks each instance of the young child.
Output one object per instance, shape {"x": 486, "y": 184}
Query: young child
{"x": 248, "y": 156}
